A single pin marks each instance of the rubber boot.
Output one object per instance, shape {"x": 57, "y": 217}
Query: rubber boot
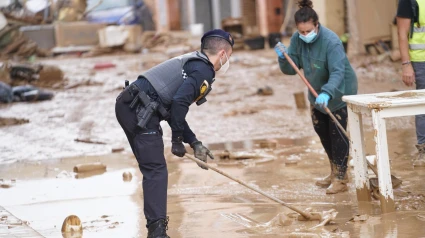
{"x": 158, "y": 229}
{"x": 338, "y": 185}
{"x": 420, "y": 161}
{"x": 326, "y": 181}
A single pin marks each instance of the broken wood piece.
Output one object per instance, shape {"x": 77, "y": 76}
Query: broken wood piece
{"x": 89, "y": 141}
{"x": 9, "y": 121}
{"x": 127, "y": 176}
{"x": 249, "y": 155}
{"x": 84, "y": 175}
{"x": 83, "y": 168}
{"x": 72, "y": 224}
{"x": 14, "y": 46}
{"x": 268, "y": 144}
{"x": 266, "y": 91}
{"x": 7, "y": 183}
{"x": 104, "y": 66}
{"x": 57, "y": 115}
{"x": 117, "y": 149}
{"x": 242, "y": 155}
{"x": 291, "y": 162}
{"x": 221, "y": 154}
{"x": 86, "y": 82}
{"x": 360, "y": 218}
{"x": 303, "y": 235}
{"x": 300, "y": 100}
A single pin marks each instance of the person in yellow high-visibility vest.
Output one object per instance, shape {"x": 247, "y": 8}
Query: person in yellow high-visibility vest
{"x": 411, "y": 33}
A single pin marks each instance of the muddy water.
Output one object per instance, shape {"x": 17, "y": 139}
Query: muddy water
{"x": 206, "y": 204}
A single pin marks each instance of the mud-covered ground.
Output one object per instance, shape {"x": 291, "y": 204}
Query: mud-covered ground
{"x": 40, "y": 155}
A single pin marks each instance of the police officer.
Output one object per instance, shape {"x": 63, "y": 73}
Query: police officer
{"x": 169, "y": 88}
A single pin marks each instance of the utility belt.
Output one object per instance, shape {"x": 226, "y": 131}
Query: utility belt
{"x": 146, "y": 107}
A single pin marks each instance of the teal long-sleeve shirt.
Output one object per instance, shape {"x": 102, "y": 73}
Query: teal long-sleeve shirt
{"x": 325, "y": 66}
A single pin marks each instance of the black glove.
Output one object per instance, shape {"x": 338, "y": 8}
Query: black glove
{"x": 178, "y": 148}
{"x": 201, "y": 152}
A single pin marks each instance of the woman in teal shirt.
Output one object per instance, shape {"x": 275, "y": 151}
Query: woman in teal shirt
{"x": 320, "y": 53}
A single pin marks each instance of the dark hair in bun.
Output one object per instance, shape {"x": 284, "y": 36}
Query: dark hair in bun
{"x": 306, "y": 12}
{"x": 305, "y": 3}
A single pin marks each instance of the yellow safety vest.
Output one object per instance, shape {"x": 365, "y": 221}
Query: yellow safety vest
{"x": 417, "y": 42}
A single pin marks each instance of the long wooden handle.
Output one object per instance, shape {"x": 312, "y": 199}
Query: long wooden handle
{"x": 314, "y": 92}
{"x": 304, "y": 214}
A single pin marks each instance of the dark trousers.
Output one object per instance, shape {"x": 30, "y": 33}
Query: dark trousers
{"x": 335, "y": 143}
{"x": 148, "y": 147}
{"x": 419, "y": 68}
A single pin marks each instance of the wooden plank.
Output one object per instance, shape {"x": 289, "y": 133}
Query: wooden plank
{"x": 13, "y": 227}
{"x": 355, "y": 125}
{"x": 409, "y": 110}
{"x": 383, "y": 163}
{"x": 387, "y": 99}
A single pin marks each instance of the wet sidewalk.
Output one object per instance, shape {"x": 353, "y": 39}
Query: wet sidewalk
{"x": 13, "y": 227}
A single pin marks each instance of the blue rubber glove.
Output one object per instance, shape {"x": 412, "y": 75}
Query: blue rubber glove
{"x": 323, "y": 99}
{"x": 279, "y": 48}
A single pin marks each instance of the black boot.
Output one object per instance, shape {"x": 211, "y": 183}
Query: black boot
{"x": 158, "y": 229}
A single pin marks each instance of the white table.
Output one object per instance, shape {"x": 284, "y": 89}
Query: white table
{"x": 380, "y": 106}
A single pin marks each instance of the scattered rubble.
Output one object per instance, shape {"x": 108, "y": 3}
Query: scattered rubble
{"x": 89, "y": 141}
{"x": 268, "y": 144}
{"x": 10, "y": 121}
{"x": 7, "y": 183}
{"x": 85, "y": 82}
{"x": 300, "y": 100}
{"x": 238, "y": 112}
{"x": 64, "y": 174}
{"x": 266, "y": 91}
{"x": 13, "y": 43}
{"x": 243, "y": 155}
{"x": 360, "y": 218}
{"x": 83, "y": 168}
{"x": 117, "y": 149}
{"x": 104, "y": 66}
{"x": 38, "y": 75}
{"x": 72, "y": 224}
{"x": 421, "y": 217}
{"x": 127, "y": 176}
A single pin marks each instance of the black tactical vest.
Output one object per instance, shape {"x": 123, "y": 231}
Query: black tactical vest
{"x": 167, "y": 77}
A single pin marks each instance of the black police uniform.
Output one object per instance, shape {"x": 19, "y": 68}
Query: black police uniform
{"x": 173, "y": 85}
{"x": 147, "y": 144}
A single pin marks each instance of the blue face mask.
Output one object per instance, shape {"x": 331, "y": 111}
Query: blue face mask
{"x": 309, "y": 37}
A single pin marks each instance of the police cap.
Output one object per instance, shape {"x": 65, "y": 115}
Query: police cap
{"x": 220, "y": 34}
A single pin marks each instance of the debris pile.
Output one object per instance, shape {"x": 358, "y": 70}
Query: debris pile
{"x": 13, "y": 43}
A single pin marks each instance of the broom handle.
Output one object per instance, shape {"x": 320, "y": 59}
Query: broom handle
{"x": 314, "y": 93}
{"x": 304, "y": 214}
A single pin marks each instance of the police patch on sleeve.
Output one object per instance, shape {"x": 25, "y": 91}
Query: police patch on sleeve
{"x": 203, "y": 91}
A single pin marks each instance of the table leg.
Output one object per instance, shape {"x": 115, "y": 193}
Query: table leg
{"x": 357, "y": 149}
{"x": 383, "y": 163}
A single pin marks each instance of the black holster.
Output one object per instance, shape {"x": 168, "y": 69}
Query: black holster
{"x": 146, "y": 107}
